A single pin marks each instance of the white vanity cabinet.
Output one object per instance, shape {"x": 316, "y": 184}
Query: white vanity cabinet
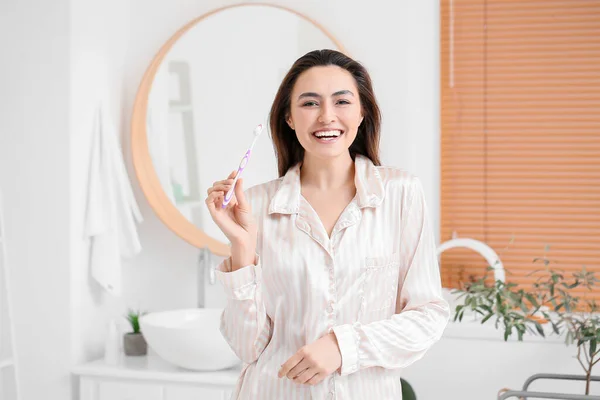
{"x": 150, "y": 378}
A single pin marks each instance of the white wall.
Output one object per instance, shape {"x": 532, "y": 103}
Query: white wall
{"x": 98, "y": 43}
{"x": 34, "y": 178}
{"x": 63, "y": 55}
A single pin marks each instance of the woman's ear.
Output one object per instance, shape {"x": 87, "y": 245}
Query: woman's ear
{"x": 289, "y": 121}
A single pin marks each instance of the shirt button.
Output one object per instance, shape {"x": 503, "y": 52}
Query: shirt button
{"x": 330, "y": 307}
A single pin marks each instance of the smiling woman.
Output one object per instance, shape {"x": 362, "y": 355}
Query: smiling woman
{"x": 333, "y": 283}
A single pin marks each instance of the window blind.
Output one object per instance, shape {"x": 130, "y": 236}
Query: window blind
{"x": 520, "y": 118}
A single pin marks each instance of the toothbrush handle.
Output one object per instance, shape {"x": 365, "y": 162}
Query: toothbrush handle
{"x": 241, "y": 167}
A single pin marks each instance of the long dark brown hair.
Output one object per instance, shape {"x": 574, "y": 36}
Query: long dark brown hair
{"x": 288, "y": 150}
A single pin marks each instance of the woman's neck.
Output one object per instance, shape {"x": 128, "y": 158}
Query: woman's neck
{"x": 327, "y": 173}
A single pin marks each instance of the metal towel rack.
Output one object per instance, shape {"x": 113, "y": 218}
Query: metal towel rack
{"x": 527, "y": 394}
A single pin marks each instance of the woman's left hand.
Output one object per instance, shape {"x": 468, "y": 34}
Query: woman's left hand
{"x": 313, "y": 362}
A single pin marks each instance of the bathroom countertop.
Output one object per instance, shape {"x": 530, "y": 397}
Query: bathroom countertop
{"x": 152, "y": 367}
{"x": 472, "y": 329}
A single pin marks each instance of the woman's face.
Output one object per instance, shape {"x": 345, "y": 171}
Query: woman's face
{"x": 325, "y": 111}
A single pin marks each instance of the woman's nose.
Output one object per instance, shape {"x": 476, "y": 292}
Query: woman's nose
{"x": 327, "y": 115}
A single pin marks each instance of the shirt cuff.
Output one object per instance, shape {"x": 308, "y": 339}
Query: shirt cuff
{"x": 348, "y": 341}
{"x": 239, "y": 284}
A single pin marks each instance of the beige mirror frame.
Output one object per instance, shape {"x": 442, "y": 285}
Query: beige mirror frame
{"x": 142, "y": 162}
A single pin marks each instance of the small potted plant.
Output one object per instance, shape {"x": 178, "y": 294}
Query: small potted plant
{"x": 134, "y": 343}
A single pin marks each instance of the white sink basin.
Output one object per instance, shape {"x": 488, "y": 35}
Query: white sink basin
{"x": 189, "y": 338}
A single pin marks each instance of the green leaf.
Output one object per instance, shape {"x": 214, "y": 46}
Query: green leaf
{"x": 524, "y": 307}
{"x": 532, "y": 300}
{"x": 593, "y": 344}
{"x": 569, "y": 337}
{"x": 487, "y": 308}
{"x": 133, "y": 318}
{"x": 539, "y": 329}
{"x": 487, "y": 318}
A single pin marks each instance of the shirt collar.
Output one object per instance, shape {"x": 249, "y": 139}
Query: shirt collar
{"x": 369, "y": 187}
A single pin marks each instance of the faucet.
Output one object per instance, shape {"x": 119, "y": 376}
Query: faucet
{"x": 486, "y": 252}
{"x": 205, "y": 264}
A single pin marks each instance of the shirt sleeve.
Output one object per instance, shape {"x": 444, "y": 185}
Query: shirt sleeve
{"x": 244, "y": 322}
{"x": 421, "y": 311}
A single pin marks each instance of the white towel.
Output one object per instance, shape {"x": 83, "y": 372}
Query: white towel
{"x": 111, "y": 211}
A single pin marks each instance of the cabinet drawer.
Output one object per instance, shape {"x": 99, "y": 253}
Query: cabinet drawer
{"x": 109, "y": 389}
{"x": 193, "y": 393}
{"x": 129, "y": 391}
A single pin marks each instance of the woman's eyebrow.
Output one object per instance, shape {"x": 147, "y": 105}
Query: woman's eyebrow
{"x": 313, "y": 94}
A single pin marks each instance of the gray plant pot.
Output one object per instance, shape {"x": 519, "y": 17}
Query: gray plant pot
{"x": 134, "y": 344}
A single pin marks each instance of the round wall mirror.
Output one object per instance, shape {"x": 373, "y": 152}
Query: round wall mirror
{"x": 199, "y": 101}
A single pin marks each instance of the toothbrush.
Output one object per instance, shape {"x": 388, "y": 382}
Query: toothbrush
{"x": 243, "y": 164}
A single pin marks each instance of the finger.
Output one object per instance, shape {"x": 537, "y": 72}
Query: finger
{"x": 220, "y": 187}
{"x": 305, "y": 376}
{"x": 223, "y": 182}
{"x": 239, "y": 194}
{"x": 214, "y": 202}
{"x": 211, "y": 200}
{"x": 298, "y": 369}
{"x": 212, "y": 196}
{"x": 216, "y": 198}
{"x": 289, "y": 364}
{"x": 317, "y": 378}
{"x": 233, "y": 174}
{"x": 232, "y": 203}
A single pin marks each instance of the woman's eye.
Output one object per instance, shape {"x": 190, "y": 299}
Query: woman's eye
{"x": 309, "y": 104}
{"x": 344, "y": 102}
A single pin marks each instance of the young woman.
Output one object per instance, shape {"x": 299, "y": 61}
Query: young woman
{"x": 333, "y": 280}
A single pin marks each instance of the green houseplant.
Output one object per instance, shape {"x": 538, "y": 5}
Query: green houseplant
{"x": 551, "y": 306}
{"x": 134, "y": 343}
{"x": 408, "y": 392}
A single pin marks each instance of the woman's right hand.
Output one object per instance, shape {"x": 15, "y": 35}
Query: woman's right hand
{"x": 235, "y": 220}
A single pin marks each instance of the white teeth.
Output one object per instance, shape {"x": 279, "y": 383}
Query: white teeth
{"x": 328, "y": 133}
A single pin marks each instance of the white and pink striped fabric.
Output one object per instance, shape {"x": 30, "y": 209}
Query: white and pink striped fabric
{"x": 375, "y": 283}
